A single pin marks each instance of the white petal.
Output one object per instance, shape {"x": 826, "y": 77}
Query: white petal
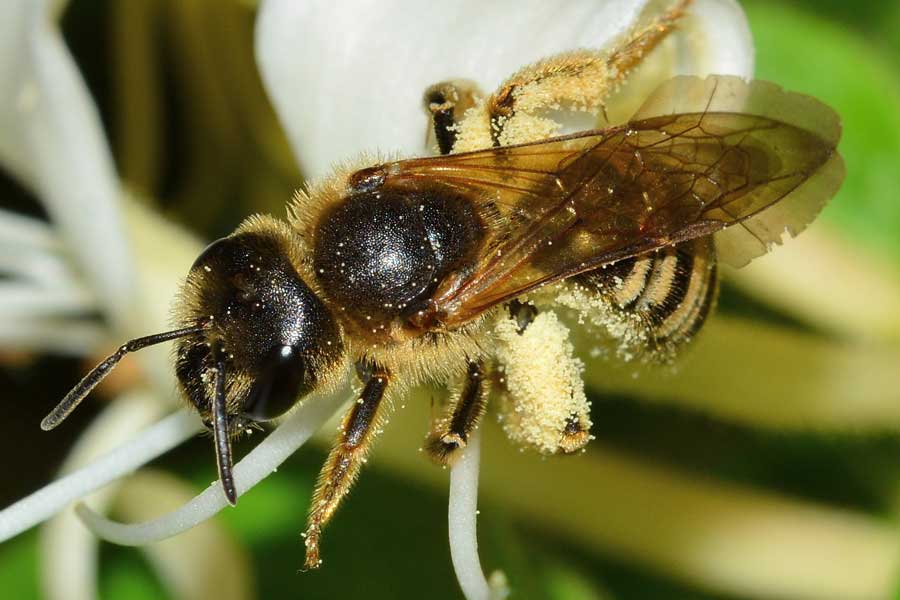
{"x": 723, "y": 44}
{"x": 51, "y": 139}
{"x": 19, "y": 231}
{"x": 19, "y": 300}
{"x": 44, "y": 269}
{"x": 344, "y": 78}
{"x": 261, "y": 462}
{"x": 39, "y": 334}
{"x": 42, "y": 299}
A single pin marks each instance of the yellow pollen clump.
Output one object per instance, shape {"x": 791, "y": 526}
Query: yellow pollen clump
{"x": 545, "y": 406}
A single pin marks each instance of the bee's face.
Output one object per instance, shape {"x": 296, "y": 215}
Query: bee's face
{"x": 274, "y": 337}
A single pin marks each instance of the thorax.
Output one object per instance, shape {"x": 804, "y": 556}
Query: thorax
{"x": 379, "y": 255}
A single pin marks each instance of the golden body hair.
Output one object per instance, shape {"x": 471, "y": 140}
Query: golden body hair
{"x": 467, "y": 270}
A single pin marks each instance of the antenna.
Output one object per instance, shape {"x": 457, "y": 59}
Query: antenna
{"x": 98, "y": 373}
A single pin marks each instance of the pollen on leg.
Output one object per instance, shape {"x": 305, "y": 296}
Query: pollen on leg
{"x": 545, "y": 405}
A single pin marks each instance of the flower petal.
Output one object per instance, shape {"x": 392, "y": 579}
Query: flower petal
{"x": 23, "y": 300}
{"x": 262, "y": 461}
{"x": 720, "y": 377}
{"x": 19, "y": 231}
{"x": 719, "y": 40}
{"x": 348, "y": 79}
{"x": 51, "y": 139}
{"x": 345, "y": 79}
{"x": 63, "y": 336}
{"x": 832, "y": 283}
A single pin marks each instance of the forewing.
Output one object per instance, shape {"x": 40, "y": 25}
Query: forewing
{"x": 737, "y": 157}
{"x": 721, "y": 94}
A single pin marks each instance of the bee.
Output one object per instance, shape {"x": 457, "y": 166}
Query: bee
{"x": 453, "y": 270}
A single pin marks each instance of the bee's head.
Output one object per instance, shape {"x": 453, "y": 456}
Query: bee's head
{"x": 254, "y": 337}
{"x": 274, "y": 339}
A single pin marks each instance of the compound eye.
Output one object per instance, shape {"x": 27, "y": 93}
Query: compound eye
{"x": 213, "y": 249}
{"x": 281, "y": 381}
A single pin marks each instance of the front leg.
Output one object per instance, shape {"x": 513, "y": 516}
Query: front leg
{"x": 522, "y": 109}
{"x": 446, "y": 103}
{"x": 359, "y": 427}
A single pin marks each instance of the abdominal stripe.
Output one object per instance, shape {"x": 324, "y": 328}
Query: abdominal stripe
{"x": 670, "y": 290}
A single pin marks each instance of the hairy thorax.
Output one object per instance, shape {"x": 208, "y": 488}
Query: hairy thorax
{"x": 379, "y": 256}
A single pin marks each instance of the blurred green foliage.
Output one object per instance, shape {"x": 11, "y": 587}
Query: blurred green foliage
{"x": 390, "y": 540}
{"x": 19, "y": 566}
{"x": 839, "y": 58}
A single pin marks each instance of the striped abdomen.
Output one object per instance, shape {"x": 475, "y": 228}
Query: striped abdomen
{"x": 662, "y": 298}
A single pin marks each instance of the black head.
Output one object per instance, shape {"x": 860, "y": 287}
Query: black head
{"x": 268, "y": 340}
{"x": 275, "y": 337}
{"x": 254, "y": 338}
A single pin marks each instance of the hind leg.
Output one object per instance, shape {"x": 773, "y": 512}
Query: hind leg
{"x": 543, "y": 401}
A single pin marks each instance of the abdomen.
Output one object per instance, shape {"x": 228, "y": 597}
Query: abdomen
{"x": 652, "y": 303}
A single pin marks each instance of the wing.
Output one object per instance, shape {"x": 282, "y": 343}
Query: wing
{"x": 744, "y": 161}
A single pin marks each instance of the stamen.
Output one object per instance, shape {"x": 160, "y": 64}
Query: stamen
{"x": 256, "y": 466}
{"x": 49, "y": 500}
{"x": 462, "y": 516}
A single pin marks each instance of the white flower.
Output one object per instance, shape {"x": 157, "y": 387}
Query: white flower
{"x": 344, "y": 80}
{"x": 53, "y": 144}
{"x": 348, "y": 78}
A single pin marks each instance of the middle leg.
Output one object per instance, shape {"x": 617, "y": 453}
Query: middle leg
{"x": 450, "y": 433}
